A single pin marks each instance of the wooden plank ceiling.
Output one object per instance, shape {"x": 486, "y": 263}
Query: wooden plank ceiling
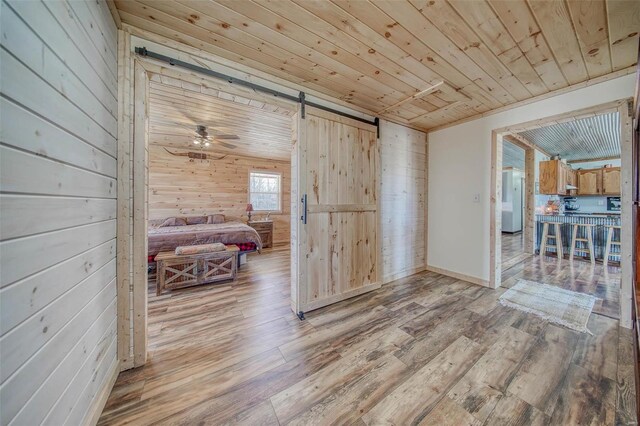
{"x": 177, "y": 107}
{"x": 423, "y": 62}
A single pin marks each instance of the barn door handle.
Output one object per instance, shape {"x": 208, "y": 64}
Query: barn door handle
{"x": 303, "y": 218}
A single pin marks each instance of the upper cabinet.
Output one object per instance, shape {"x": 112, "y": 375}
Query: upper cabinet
{"x": 611, "y": 181}
{"x": 555, "y": 176}
{"x": 590, "y": 182}
{"x": 572, "y": 179}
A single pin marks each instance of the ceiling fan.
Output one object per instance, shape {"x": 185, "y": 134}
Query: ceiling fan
{"x": 204, "y": 140}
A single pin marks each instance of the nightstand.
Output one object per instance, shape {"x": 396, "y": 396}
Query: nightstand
{"x": 264, "y": 228}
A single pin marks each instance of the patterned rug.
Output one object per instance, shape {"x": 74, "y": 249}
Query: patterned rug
{"x": 557, "y": 305}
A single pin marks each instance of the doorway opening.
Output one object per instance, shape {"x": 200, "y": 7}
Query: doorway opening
{"x": 515, "y": 201}
{"x": 333, "y": 172}
{"x": 219, "y": 180}
{"x": 580, "y": 203}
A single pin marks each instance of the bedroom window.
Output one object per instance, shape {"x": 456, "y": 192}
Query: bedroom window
{"x": 265, "y": 191}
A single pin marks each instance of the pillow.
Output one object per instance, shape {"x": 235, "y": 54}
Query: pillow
{"x": 196, "y": 220}
{"x": 203, "y": 248}
{"x": 173, "y": 221}
{"x": 216, "y": 218}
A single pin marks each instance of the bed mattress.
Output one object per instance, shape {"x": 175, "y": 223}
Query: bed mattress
{"x": 167, "y": 238}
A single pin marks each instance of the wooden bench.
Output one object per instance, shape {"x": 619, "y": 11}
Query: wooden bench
{"x": 179, "y": 271}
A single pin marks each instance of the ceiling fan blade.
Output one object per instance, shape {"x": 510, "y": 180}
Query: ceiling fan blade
{"x": 230, "y": 137}
{"x": 226, "y": 145}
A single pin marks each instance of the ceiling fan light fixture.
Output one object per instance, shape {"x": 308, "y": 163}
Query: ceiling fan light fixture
{"x": 196, "y": 142}
{"x": 207, "y": 144}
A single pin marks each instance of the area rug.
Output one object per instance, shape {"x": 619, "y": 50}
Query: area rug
{"x": 557, "y": 305}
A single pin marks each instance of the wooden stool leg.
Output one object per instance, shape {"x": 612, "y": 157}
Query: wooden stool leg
{"x": 590, "y": 243}
{"x": 607, "y": 250}
{"x": 543, "y": 241}
{"x": 573, "y": 242}
{"x": 559, "y": 249}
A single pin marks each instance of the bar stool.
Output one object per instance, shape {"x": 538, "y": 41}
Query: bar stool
{"x": 611, "y": 242}
{"x": 556, "y": 236}
{"x": 589, "y": 240}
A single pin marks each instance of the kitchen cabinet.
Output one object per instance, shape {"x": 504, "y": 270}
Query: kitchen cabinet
{"x": 611, "y": 180}
{"x": 590, "y": 182}
{"x": 572, "y": 179}
{"x": 553, "y": 177}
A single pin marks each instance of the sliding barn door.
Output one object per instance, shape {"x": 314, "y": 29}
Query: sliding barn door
{"x": 338, "y": 239}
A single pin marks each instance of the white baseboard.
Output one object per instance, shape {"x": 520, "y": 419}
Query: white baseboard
{"x": 473, "y": 280}
{"x": 403, "y": 274}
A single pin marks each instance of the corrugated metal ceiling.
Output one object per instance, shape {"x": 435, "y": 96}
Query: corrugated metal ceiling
{"x": 588, "y": 138}
{"x": 512, "y": 155}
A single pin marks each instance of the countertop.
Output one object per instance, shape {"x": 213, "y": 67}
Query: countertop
{"x": 612, "y": 214}
{"x": 591, "y": 215}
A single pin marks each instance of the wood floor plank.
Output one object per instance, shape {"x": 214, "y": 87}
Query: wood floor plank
{"x": 540, "y": 378}
{"x": 598, "y": 352}
{"x": 448, "y": 413}
{"x": 585, "y": 399}
{"x": 410, "y": 402}
{"x": 511, "y": 410}
{"x": 425, "y": 349}
{"x": 340, "y": 393}
{"x": 428, "y": 345}
{"x": 485, "y": 383}
{"x": 160, "y": 401}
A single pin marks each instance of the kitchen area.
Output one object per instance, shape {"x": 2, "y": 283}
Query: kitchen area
{"x": 583, "y": 203}
{"x": 577, "y": 193}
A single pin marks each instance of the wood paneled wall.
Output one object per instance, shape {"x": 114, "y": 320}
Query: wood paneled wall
{"x": 403, "y": 157}
{"x": 57, "y": 211}
{"x": 179, "y": 186}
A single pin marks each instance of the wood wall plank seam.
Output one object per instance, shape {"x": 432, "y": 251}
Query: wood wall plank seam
{"x": 61, "y": 39}
{"x": 66, "y": 18}
{"x": 96, "y": 113}
{"x": 32, "y": 46}
{"x": 42, "y": 156}
{"x": 67, "y": 147}
{"x": 49, "y": 392}
{"x": 40, "y": 95}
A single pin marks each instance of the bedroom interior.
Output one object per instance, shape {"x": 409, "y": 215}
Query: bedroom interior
{"x": 219, "y": 173}
{"x": 291, "y": 212}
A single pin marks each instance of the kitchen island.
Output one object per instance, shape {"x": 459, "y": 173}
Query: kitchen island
{"x": 602, "y": 221}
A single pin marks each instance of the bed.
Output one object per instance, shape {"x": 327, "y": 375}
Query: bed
{"x": 167, "y": 234}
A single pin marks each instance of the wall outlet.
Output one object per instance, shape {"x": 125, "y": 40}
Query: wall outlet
{"x": 600, "y": 203}
{"x": 476, "y": 198}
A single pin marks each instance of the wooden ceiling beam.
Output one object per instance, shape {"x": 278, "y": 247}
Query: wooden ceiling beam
{"x": 586, "y": 160}
{"x": 524, "y": 143}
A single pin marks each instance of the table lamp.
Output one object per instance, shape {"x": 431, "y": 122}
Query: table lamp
{"x": 249, "y": 210}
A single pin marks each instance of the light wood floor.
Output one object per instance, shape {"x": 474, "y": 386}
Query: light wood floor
{"x": 427, "y": 349}
{"x": 513, "y": 250}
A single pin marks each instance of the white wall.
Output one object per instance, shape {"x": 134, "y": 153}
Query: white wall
{"x": 460, "y": 167}
{"x": 57, "y": 210}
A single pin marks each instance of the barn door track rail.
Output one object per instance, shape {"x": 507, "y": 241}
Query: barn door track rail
{"x": 301, "y": 98}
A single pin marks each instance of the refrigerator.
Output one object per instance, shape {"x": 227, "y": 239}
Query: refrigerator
{"x": 512, "y": 200}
